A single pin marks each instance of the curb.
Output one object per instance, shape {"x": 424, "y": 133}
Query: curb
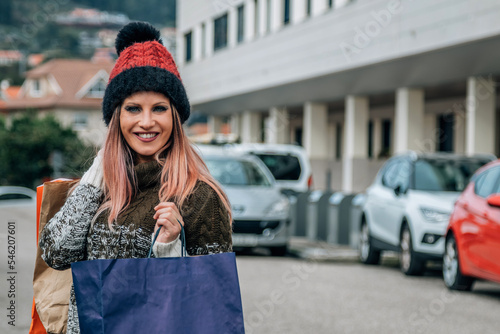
{"x": 322, "y": 251}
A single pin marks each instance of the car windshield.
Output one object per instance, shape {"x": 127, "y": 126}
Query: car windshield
{"x": 445, "y": 174}
{"x": 237, "y": 172}
{"x": 283, "y": 167}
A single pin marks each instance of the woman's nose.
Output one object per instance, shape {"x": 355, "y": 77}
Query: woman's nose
{"x": 146, "y": 120}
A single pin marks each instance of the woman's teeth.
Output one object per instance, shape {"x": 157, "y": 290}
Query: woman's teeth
{"x": 146, "y": 135}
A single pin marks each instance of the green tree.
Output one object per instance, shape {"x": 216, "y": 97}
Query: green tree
{"x": 30, "y": 147}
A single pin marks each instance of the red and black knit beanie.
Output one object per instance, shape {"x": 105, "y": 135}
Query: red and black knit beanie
{"x": 143, "y": 64}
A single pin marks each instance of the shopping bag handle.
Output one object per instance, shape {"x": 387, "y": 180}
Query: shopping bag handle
{"x": 182, "y": 237}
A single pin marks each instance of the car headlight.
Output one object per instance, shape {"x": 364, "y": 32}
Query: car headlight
{"x": 279, "y": 208}
{"x": 435, "y": 216}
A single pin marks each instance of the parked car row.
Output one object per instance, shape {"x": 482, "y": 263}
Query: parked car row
{"x": 255, "y": 178}
{"x": 424, "y": 207}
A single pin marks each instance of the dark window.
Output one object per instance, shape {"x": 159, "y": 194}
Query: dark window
{"x": 298, "y": 136}
{"x": 338, "y": 148}
{"x": 283, "y": 167}
{"x": 241, "y": 23}
{"x": 308, "y": 8}
{"x": 13, "y": 196}
{"x": 286, "y": 14}
{"x": 220, "y": 32}
{"x": 188, "y": 41}
{"x": 386, "y": 138}
{"x": 370, "y": 139}
{"x": 445, "y": 133}
{"x": 445, "y": 174}
{"x": 487, "y": 182}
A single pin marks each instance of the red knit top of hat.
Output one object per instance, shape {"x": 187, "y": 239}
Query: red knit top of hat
{"x": 150, "y": 53}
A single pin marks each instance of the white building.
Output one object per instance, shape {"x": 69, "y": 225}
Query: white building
{"x": 351, "y": 81}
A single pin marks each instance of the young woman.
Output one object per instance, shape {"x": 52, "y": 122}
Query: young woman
{"x": 146, "y": 176}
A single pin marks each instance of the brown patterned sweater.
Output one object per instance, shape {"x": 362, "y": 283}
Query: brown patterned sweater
{"x": 69, "y": 237}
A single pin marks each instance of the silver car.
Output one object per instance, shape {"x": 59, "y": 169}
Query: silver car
{"x": 261, "y": 213}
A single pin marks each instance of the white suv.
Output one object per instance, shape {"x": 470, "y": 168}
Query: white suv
{"x": 408, "y": 206}
{"x": 289, "y": 164}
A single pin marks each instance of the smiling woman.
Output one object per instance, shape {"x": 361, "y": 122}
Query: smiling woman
{"x": 146, "y": 177}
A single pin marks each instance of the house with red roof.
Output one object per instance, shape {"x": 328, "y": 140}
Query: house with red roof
{"x": 71, "y": 90}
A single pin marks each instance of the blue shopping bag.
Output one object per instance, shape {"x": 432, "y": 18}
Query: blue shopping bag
{"x": 159, "y": 295}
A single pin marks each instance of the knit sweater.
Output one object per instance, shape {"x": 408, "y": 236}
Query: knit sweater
{"x": 69, "y": 236}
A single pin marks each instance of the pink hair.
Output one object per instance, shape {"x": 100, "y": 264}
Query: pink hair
{"x": 182, "y": 167}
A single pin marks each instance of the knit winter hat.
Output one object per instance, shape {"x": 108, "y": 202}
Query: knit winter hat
{"x": 143, "y": 64}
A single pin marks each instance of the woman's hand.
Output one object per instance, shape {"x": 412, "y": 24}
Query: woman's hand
{"x": 166, "y": 216}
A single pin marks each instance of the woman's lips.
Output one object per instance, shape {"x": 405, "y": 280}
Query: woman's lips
{"x": 146, "y": 136}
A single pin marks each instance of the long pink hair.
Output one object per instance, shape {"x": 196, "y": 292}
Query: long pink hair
{"x": 182, "y": 167}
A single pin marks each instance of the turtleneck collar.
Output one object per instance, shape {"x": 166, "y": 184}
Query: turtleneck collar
{"x": 148, "y": 173}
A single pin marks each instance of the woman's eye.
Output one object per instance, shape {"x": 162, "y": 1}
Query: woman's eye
{"x": 132, "y": 109}
{"x": 159, "y": 109}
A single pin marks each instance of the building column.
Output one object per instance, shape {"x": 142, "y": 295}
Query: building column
{"x": 251, "y": 128}
{"x": 430, "y": 134}
{"x": 278, "y": 126}
{"x": 277, "y": 15}
{"x": 235, "y": 124}
{"x": 250, "y": 12}
{"x": 315, "y": 132}
{"x": 214, "y": 124}
{"x": 480, "y": 116}
{"x": 196, "y": 46}
{"x": 409, "y": 120}
{"x": 209, "y": 38}
{"x": 355, "y": 137}
{"x": 318, "y": 7}
{"x": 232, "y": 29}
{"x": 262, "y": 17}
{"x": 298, "y": 11}
{"x": 377, "y": 137}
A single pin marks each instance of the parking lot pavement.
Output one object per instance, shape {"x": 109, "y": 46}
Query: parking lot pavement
{"x": 321, "y": 250}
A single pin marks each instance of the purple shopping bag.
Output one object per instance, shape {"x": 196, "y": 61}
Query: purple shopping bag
{"x": 159, "y": 295}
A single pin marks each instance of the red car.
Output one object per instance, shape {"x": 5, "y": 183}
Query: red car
{"x": 472, "y": 248}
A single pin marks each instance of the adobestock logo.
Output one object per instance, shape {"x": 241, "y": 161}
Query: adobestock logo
{"x": 371, "y": 29}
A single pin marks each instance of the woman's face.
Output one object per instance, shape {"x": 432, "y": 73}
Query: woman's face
{"x": 146, "y": 123}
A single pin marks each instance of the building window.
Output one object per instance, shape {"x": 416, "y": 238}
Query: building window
{"x": 188, "y": 38}
{"x": 286, "y": 13}
{"x": 308, "y": 8}
{"x": 386, "y": 139}
{"x": 269, "y": 11}
{"x": 256, "y": 23}
{"x": 220, "y": 32}
{"x": 241, "y": 23}
{"x": 97, "y": 90}
{"x": 338, "y": 142}
{"x": 331, "y": 3}
{"x": 36, "y": 90}
{"x": 203, "y": 40}
{"x": 445, "y": 135}
{"x": 80, "y": 121}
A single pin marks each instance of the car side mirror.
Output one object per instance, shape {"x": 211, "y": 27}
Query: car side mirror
{"x": 399, "y": 190}
{"x": 494, "y": 200}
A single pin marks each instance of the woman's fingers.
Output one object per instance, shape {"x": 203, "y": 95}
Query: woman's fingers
{"x": 168, "y": 217}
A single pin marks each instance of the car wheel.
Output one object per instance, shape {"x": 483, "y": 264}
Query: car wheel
{"x": 452, "y": 276}
{"x": 409, "y": 263}
{"x": 279, "y": 251}
{"x": 367, "y": 254}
